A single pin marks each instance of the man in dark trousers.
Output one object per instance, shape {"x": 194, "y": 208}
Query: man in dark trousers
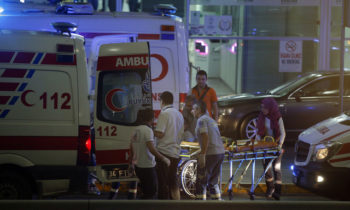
{"x": 169, "y": 131}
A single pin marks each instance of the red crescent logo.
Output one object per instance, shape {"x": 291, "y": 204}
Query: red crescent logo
{"x": 23, "y": 97}
{"x": 109, "y": 102}
{"x": 164, "y": 67}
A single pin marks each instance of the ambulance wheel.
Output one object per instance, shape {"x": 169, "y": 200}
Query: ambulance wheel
{"x": 188, "y": 177}
{"x": 14, "y": 186}
{"x": 249, "y": 126}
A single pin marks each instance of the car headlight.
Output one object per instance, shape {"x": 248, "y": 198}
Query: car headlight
{"x": 326, "y": 150}
{"x": 321, "y": 154}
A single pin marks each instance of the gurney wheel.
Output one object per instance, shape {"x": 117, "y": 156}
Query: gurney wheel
{"x": 251, "y": 196}
{"x": 188, "y": 177}
{"x": 230, "y": 195}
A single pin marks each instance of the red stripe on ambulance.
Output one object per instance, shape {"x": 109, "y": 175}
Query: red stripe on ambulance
{"x": 140, "y": 36}
{"x": 4, "y": 99}
{"x": 8, "y": 86}
{"x": 14, "y": 73}
{"x": 112, "y": 156}
{"x": 345, "y": 149}
{"x": 122, "y": 62}
{"x": 39, "y": 143}
{"x": 24, "y": 57}
{"x": 339, "y": 160}
{"x": 51, "y": 59}
{"x": 5, "y": 57}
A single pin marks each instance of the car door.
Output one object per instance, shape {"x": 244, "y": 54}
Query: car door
{"x": 123, "y": 87}
{"x": 311, "y": 103}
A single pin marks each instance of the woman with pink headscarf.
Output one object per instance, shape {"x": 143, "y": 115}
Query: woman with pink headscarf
{"x": 270, "y": 123}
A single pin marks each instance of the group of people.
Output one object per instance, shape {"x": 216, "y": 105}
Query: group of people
{"x": 156, "y": 153}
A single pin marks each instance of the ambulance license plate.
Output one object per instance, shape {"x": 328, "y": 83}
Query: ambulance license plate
{"x": 118, "y": 173}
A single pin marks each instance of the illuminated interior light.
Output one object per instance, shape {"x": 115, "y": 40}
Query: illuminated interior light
{"x": 320, "y": 179}
{"x": 202, "y": 45}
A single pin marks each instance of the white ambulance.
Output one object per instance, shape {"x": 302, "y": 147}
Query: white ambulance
{"x": 45, "y": 114}
{"x": 322, "y": 160}
{"x": 165, "y": 33}
{"x": 57, "y": 108}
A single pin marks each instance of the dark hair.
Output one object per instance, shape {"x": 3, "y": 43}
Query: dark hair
{"x": 191, "y": 98}
{"x": 144, "y": 116}
{"x": 167, "y": 98}
{"x": 202, "y": 105}
{"x": 202, "y": 72}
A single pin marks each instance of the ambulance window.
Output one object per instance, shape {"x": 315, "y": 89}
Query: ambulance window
{"x": 121, "y": 94}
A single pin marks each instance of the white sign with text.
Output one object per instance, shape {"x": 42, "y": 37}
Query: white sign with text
{"x": 291, "y": 56}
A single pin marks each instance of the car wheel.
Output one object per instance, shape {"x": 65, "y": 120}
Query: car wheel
{"x": 14, "y": 186}
{"x": 249, "y": 127}
{"x": 188, "y": 176}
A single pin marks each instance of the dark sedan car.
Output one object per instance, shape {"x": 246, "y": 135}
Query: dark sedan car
{"x": 303, "y": 102}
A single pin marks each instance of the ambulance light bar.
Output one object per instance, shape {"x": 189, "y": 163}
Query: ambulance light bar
{"x": 165, "y": 9}
{"x": 64, "y": 27}
{"x": 72, "y": 8}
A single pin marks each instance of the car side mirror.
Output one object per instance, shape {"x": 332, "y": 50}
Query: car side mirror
{"x": 297, "y": 95}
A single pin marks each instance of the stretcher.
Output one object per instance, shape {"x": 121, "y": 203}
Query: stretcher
{"x": 239, "y": 152}
{"x": 251, "y": 156}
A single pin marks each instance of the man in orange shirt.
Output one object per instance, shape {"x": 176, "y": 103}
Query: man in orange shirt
{"x": 206, "y": 94}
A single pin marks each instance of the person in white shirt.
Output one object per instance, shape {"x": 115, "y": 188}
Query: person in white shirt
{"x": 142, "y": 151}
{"x": 211, "y": 155}
{"x": 169, "y": 132}
{"x": 270, "y": 123}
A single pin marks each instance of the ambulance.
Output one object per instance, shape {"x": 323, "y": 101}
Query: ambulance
{"x": 163, "y": 30}
{"x": 322, "y": 160}
{"x": 53, "y": 91}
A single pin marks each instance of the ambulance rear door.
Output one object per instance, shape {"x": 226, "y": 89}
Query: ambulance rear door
{"x": 123, "y": 87}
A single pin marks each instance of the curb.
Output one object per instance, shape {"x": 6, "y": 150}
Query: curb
{"x": 261, "y": 188}
{"x": 241, "y": 189}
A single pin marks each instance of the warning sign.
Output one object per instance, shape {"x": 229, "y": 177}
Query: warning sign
{"x": 291, "y": 56}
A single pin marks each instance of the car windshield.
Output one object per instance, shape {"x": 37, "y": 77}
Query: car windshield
{"x": 291, "y": 85}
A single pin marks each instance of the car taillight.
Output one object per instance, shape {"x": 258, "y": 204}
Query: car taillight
{"x": 84, "y": 145}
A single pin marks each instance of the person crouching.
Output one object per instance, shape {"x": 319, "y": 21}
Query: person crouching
{"x": 211, "y": 156}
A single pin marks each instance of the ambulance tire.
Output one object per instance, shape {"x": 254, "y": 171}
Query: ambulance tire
{"x": 14, "y": 186}
{"x": 188, "y": 176}
{"x": 249, "y": 126}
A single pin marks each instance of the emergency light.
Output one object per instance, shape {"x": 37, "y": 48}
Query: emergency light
{"x": 1, "y": 10}
{"x": 74, "y": 8}
{"x": 64, "y": 27}
{"x": 165, "y": 9}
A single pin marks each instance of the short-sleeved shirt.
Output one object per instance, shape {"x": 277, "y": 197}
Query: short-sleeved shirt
{"x": 171, "y": 123}
{"x": 206, "y": 124}
{"x": 142, "y": 157}
{"x": 208, "y": 99}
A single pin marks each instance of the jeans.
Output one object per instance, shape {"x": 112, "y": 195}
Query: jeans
{"x": 209, "y": 176}
{"x": 168, "y": 187}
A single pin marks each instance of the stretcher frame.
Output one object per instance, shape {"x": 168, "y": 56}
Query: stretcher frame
{"x": 251, "y": 157}
{"x": 231, "y": 156}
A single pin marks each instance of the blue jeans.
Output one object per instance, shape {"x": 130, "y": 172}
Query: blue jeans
{"x": 208, "y": 176}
